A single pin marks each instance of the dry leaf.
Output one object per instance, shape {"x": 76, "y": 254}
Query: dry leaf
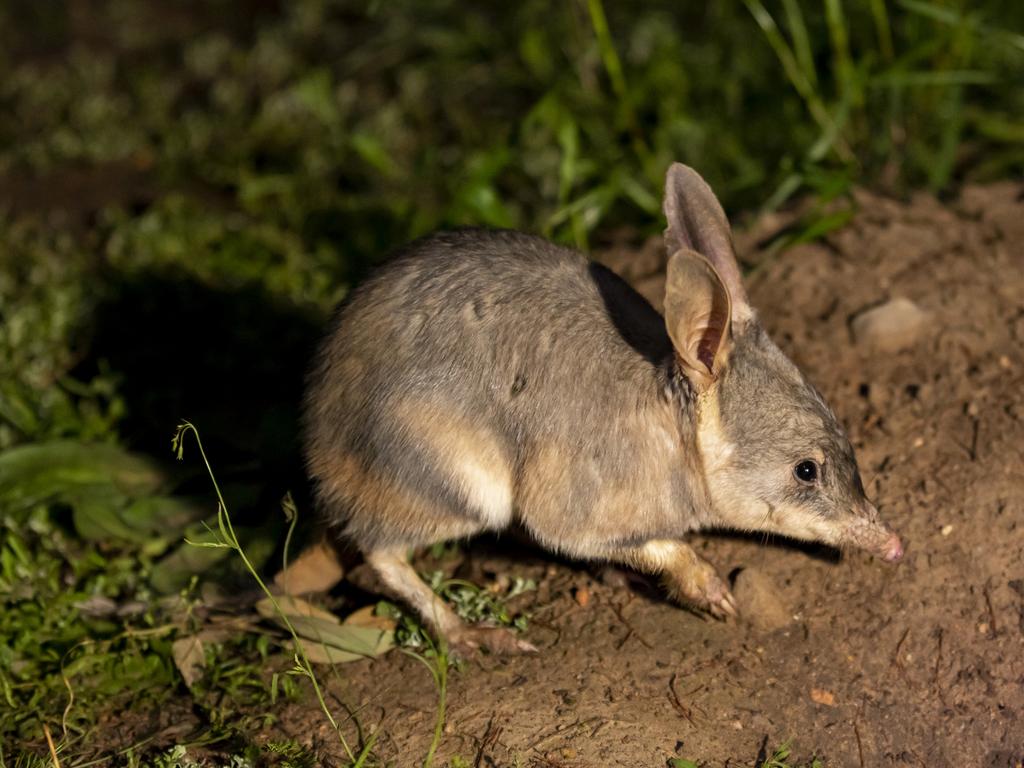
{"x": 821, "y": 696}
{"x": 292, "y": 606}
{"x": 315, "y": 570}
{"x": 318, "y": 653}
{"x": 324, "y": 638}
{"x": 365, "y": 617}
{"x": 326, "y": 643}
{"x": 189, "y": 658}
{"x": 220, "y": 629}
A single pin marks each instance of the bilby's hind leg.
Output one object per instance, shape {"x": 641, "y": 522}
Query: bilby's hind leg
{"x": 687, "y": 576}
{"x": 400, "y": 578}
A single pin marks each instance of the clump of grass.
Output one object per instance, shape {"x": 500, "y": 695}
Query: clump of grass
{"x": 435, "y": 659}
{"x": 474, "y": 604}
{"x": 227, "y": 539}
{"x": 780, "y": 759}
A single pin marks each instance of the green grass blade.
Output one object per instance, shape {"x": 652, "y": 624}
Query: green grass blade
{"x": 883, "y": 31}
{"x": 801, "y": 40}
{"x": 946, "y": 78}
{"x": 996, "y": 127}
{"x": 842, "y": 64}
{"x": 794, "y": 73}
{"x": 954, "y": 18}
{"x": 613, "y": 66}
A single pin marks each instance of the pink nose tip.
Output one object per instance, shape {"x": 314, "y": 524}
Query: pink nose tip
{"x": 892, "y": 551}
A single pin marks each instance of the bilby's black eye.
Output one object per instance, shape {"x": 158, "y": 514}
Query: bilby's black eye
{"x": 807, "y": 471}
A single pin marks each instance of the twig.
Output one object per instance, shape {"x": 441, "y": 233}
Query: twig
{"x": 550, "y": 735}
{"x": 681, "y": 708}
{"x": 991, "y": 613}
{"x": 53, "y": 749}
{"x": 935, "y": 675}
{"x": 938, "y": 658}
{"x": 618, "y": 612}
{"x": 896, "y": 656}
{"x": 860, "y": 747}
{"x": 490, "y": 737}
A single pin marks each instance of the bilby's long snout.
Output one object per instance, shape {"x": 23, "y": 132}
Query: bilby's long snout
{"x": 871, "y": 534}
{"x": 892, "y": 550}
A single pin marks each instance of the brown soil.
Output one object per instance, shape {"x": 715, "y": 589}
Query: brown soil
{"x": 857, "y": 662}
{"x": 921, "y": 664}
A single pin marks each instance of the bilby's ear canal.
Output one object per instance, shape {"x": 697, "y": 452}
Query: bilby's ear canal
{"x": 698, "y": 317}
{"x": 696, "y": 222}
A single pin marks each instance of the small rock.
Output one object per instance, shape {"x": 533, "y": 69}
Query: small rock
{"x": 892, "y": 326}
{"x": 759, "y": 601}
{"x": 946, "y": 530}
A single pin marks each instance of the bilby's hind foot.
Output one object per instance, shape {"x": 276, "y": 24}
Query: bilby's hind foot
{"x": 703, "y": 588}
{"x": 688, "y": 578}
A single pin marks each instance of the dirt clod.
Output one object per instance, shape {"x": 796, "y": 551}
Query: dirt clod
{"x": 892, "y": 326}
{"x": 823, "y": 697}
{"x": 582, "y": 596}
{"x": 759, "y": 600}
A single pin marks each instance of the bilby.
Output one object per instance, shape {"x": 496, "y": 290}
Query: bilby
{"x": 487, "y": 378}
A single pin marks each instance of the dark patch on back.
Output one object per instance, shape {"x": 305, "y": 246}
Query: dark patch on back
{"x": 479, "y": 310}
{"x": 518, "y": 384}
{"x": 637, "y": 322}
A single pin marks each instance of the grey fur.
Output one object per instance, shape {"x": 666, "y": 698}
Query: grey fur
{"x": 482, "y": 378}
{"x": 507, "y": 328}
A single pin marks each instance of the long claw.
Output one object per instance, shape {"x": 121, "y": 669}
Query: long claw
{"x": 729, "y": 605}
{"x": 525, "y": 647}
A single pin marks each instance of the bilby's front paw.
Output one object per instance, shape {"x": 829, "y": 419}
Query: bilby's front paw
{"x": 465, "y": 642}
{"x": 705, "y": 589}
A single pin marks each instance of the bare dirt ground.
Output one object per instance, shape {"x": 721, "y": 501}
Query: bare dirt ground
{"x": 921, "y": 664}
{"x": 857, "y": 662}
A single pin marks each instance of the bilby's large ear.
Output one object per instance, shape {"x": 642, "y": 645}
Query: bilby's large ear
{"x": 698, "y": 317}
{"x": 697, "y": 222}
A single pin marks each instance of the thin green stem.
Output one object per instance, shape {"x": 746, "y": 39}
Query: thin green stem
{"x": 228, "y": 532}
{"x": 440, "y": 672}
{"x": 846, "y": 86}
{"x": 882, "y": 29}
{"x": 801, "y": 40}
{"x": 288, "y": 505}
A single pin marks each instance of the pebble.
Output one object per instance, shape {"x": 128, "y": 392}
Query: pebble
{"x": 582, "y": 596}
{"x": 824, "y": 697}
{"x": 894, "y": 325}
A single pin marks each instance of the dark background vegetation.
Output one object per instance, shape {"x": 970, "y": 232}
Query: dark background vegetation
{"x": 187, "y": 188}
